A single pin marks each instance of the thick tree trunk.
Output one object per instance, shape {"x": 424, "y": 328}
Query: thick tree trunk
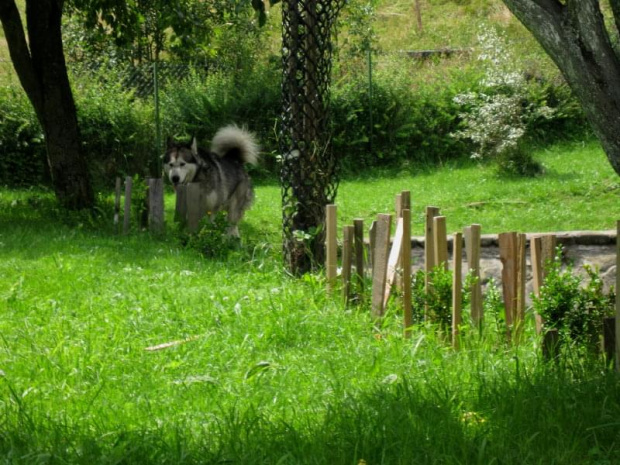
{"x": 575, "y": 37}
{"x": 40, "y": 65}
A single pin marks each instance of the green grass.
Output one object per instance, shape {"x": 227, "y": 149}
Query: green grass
{"x": 273, "y": 370}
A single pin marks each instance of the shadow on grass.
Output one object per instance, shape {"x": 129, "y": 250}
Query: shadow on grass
{"x": 548, "y": 417}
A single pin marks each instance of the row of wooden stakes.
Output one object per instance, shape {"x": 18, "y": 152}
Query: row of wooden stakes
{"x": 389, "y": 257}
{"x": 188, "y": 207}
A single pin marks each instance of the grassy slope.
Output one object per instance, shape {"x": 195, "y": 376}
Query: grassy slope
{"x": 578, "y": 191}
{"x": 278, "y": 371}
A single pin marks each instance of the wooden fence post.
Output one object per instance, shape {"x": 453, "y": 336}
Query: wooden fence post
{"x": 393, "y": 259}
{"x": 508, "y": 257}
{"x": 519, "y": 321}
{"x": 441, "y": 241}
{"x": 429, "y": 249}
{"x": 117, "y": 204}
{"x": 180, "y": 206}
{"x": 406, "y": 276}
{"x": 331, "y": 244}
{"x": 379, "y": 266}
{"x": 194, "y": 207}
{"x": 472, "y": 249}
{"x": 457, "y": 287}
{"x": 372, "y": 240}
{"x": 156, "y": 205}
{"x": 347, "y": 253}
{"x": 127, "y": 211}
{"x": 358, "y": 232}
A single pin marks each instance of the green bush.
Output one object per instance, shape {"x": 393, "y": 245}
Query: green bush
{"x": 576, "y": 310}
{"x": 118, "y": 129}
{"x": 22, "y": 144}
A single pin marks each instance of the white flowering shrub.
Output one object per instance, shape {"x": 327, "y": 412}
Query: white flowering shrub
{"x": 496, "y": 117}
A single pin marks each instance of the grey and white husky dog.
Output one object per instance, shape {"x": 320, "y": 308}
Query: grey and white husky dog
{"x": 224, "y": 182}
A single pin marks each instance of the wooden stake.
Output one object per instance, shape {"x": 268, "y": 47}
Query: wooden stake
{"x": 358, "y": 228}
{"x": 429, "y": 249}
{"x": 195, "y": 209}
{"x": 331, "y": 244}
{"x": 393, "y": 260}
{"x": 537, "y": 274}
{"x": 347, "y": 253}
{"x": 441, "y": 241}
{"x": 457, "y": 287}
{"x": 406, "y": 266}
{"x": 405, "y": 200}
{"x": 508, "y": 257}
{"x": 156, "y": 205}
{"x": 372, "y": 235}
{"x": 379, "y": 268}
{"x": 127, "y": 212}
{"x": 399, "y": 206}
{"x": 520, "y": 286}
{"x": 180, "y": 207}
{"x": 472, "y": 246}
{"x": 117, "y": 204}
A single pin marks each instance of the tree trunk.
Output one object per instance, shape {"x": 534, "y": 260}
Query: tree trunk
{"x": 40, "y": 65}
{"x": 575, "y": 37}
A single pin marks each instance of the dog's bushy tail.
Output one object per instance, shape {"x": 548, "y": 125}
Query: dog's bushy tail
{"x": 235, "y": 141}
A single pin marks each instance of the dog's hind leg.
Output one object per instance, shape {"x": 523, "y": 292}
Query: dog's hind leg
{"x": 239, "y": 202}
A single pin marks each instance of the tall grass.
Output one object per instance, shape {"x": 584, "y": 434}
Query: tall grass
{"x": 268, "y": 368}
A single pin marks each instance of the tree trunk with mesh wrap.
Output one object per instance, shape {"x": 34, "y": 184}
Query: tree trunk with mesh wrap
{"x": 308, "y": 173}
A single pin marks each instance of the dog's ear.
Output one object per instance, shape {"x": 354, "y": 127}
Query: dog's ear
{"x": 194, "y": 147}
{"x": 169, "y": 142}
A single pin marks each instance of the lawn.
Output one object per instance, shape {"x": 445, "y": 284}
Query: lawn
{"x": 264, "y": 368}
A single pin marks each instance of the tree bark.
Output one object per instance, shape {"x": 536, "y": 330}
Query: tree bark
{"x": 41, "y": 68}
{"x": 574, "y": 35}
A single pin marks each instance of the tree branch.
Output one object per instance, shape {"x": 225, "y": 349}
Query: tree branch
{"x": 19, "y": 50}
{"x": 615, "y": 9}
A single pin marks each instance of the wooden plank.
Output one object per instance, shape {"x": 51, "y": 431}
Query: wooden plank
{"x": 180, "y": 207}
{"x": 457, "y": 287}
{"x": 156, "y": 205}
{"x": 195, "y": 209}
{"x": 473, "y": 261}
{"x": 441, "y": 241}
{"x": 429, "y": 239}
{"x": 406, "y": 267}
{"x": 405, "y": 200}
{"x": 537, "y": 274}
{"x": 331, "y": 245}
{"x": 508, "y": 257}
{"x": 347, "y": 254}
{"x": 127, "y": 212}
{"x": 393, "y": 259}
{"x": 379, "y": 268}
{"x": 117, "y": 204}
{"x": 520, "y": 286}
{"x": 372, "y": 234}
{"x": 429, "y": 248}
{"x": 358, "y": 232}
{"x": 398, "y": 206}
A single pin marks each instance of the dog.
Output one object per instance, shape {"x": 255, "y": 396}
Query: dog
{"x": 224, "y": 181}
